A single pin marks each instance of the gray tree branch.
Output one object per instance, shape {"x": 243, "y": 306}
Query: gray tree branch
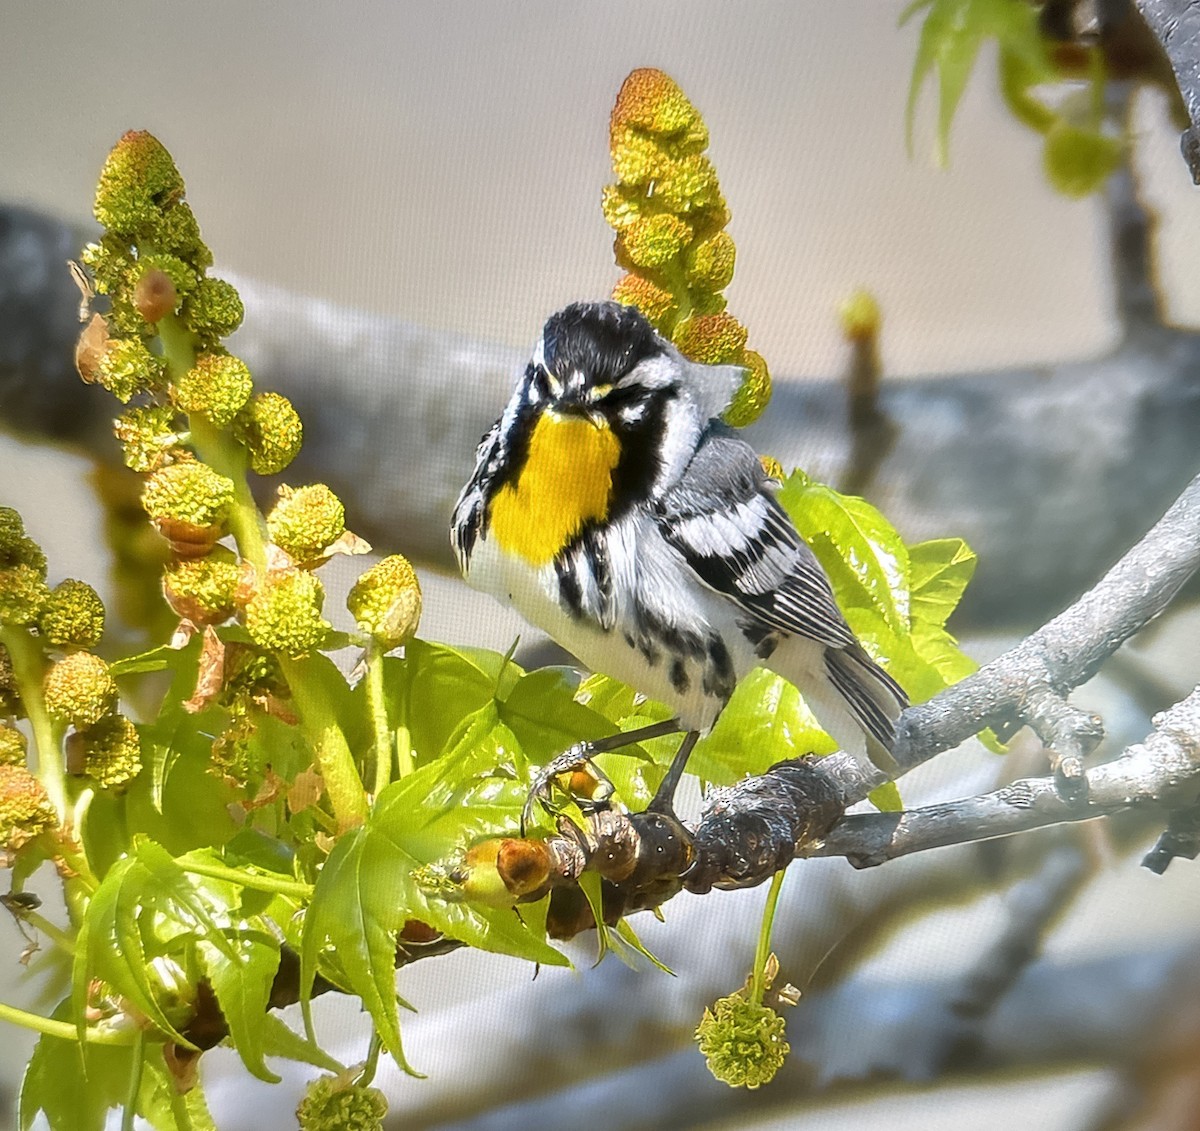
{"x": 1176, "y": 26}
{"x": 1162, "y": 770}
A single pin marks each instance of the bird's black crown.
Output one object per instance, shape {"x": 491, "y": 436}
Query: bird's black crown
{"x": 602, "y": 341}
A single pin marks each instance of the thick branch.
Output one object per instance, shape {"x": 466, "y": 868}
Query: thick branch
{"x": 1069, "y": 649}
{"x": 1162, "y": 770}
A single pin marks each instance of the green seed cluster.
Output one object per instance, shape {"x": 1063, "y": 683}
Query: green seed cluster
{"x": 330, "y": 1104}
{"x": 742, "y": 1041}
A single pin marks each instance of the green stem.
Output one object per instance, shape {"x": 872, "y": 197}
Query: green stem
{"x": 377, "y": 708}
{"x": 179, "y": 1109}
{"x": 320, "y": 726}
{"x": 404, "y": 756}
{"x": 294, "y": 889}
{"x": 217, "y": 448}
{"x": 372, "y": 1061}
{"x": 135, "y": 1082}
{"x": 65, "y": 1030}
{"x": 225, "y": 455}
{"x": 758, "y": 984}
{"x": 29, "y": 670}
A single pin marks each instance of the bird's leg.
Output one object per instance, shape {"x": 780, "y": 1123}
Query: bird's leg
{"x": 579, "y": 757}
{"x": 663, "y": 800}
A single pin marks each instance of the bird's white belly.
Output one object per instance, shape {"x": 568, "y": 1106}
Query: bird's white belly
{"x": 534, "y": 593}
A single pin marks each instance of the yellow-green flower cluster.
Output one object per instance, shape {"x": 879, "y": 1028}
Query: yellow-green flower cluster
{"x": 191, "y": 493}
{"x": 218, "y": 385}
{"x": 13, "y": 746}
{"x": 271, "y": 431}
{"x": 73, "y": 617}
{"x": 151, "y": 260}
{"x": 25, "y": 808}
{"x": 334, "y": 1104}
{"x": 23, "y": 589}
{"x": 79, "y": 689}
{"x": 306, "y": 521}
{"x": 10, "y": 694}
{"x": 386, "y": 602}
{"x": 112, "y": 751}
{"x": 743, "y": 1041}
{"x": 670, "y": 217}
{"x": 203, "y": 590}
{"x": 149, "y": 436}
{"x": 283, "y": 612}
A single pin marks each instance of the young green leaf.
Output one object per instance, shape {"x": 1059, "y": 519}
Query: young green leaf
{"x": 73, "y": 1097}
{"x": 241, "y": 974}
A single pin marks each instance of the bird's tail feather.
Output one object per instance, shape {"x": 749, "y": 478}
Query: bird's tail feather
{"x": 873, "y": 698}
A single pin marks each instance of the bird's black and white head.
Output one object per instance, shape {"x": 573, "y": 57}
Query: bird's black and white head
{"x": 605, "y": 407}
{"x": 604, "y": 358}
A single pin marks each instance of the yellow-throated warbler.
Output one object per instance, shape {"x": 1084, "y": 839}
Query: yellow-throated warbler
{"x": 615, "y": 511}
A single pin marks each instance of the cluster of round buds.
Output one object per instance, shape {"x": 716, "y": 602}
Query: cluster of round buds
{"x": 743, "y": 1041}
{"x": 335, "y": 1103}
{"x": 151, "y": 260}
{"x": 670, "y": 218}
{"x": 109, "y": 751}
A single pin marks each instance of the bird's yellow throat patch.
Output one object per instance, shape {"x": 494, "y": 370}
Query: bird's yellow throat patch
{"x": 565, "y": 483}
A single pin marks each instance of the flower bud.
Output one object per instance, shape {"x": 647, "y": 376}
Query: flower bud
{"x": 332, "y": 1103}
{"x": 306, "y": 520}
{"x": 13, "y": 746}
{"x": 80, "y": 689}
{"x": 139, "y": 180}
{"x": 386, "y": 602}
{"x": 148, "y": 434}
{"x": 271, "y": 431}
{"x": 203, "y": 590}
{"x": 25, "y": 807}
{"x": 218, "y": 385}
{"x": 111, "y": 751}
{"x": 127, "y": 367}
{"x": 283, "y": 612}
{"x": 214, "y": 310}
{"x": 189, "y": 503}
{"x": 73, "y": 616}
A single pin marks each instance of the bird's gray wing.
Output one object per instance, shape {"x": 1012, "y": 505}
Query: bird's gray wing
{"x": 731, "y": 531}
